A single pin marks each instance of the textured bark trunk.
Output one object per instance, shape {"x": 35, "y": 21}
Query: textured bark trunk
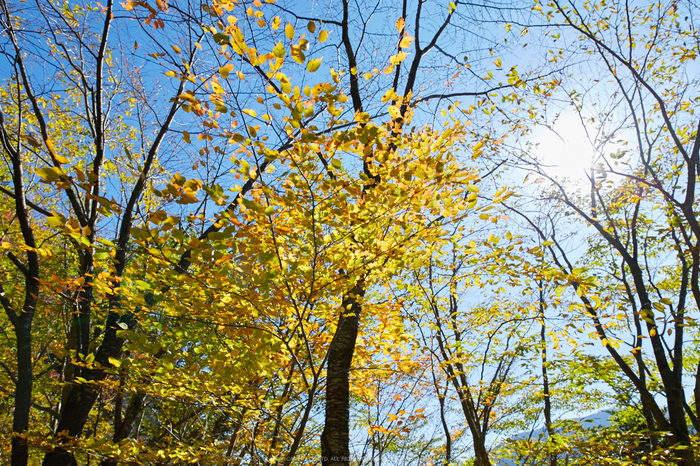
{"x": 23, "y": 391}
{"x": 335, "y": 440}
{"x": 82, "y": 396}
{"x": 22, "y": 321}
{"x": 679, "y": 427}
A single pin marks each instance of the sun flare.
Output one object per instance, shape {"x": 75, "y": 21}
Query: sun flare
{"x": 565, "y": 152}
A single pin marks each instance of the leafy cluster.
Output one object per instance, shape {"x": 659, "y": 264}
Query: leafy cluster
{"x": 240, "y": 232}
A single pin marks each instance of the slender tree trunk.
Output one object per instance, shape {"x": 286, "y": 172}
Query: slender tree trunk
{"x": 21, "y": 322}
{"x": 126, "y": 425}
{"x": 445, "y": 427}
{"x": 23, "y": 391}
{"x": 335, "y": 440}
{"x": 545, "y": 379}
{"x": 481, "y": 454}
{"x": 234, "y": 435}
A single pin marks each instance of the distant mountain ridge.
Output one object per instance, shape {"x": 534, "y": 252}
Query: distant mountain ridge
{"x": 591, "y": 421}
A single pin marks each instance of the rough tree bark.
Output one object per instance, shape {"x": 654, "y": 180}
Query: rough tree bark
{"x": 335, "y": 440}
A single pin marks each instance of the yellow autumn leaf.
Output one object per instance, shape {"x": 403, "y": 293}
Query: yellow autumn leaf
{"x": 49, "y": 146}
{"x": 313, "y": 65}
{"x": 362, "y": 117}
{"x": 398, "y": 58}
{"x": 61, "y": 159}
{"x": 323, "y": 36}
{"x": 298, "y": 55}
{"x": 250, "y": 112}
{"x": 289, "y": 31}
{"x": 400, "y": 24}
{"x": 279, "y": 50}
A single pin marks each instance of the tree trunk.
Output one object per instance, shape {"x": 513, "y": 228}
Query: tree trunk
{"x": 545, "y": 379}
{"x": 335, "y": 440}
{"x": 126, "y": 425}
{"x": 23, "y": 391}
{"x": 82, "y": 396}
{"x": 22, "y": 322}
{"x": 679, "y": 427}
{"x": 481, "y": 454}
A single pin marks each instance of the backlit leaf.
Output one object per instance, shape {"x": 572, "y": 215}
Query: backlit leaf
{"x": 313, "y": 65}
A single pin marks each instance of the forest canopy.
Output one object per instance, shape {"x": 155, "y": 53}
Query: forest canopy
{"x": 349, "y": 233}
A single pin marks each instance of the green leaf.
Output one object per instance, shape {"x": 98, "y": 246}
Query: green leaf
{"x": 221, "y": 38}
{"x": 142, "y": 285}
{"x": 56, "y": 221}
